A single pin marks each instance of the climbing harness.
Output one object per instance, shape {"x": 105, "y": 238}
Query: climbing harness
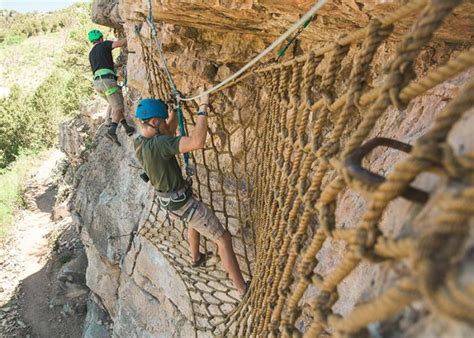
{"x": 177, "y": 196}
{"x": 111, "y": 91}
{"x": 105, "y": 73}
{"x": 165, "y": 198}
{"x": 279, "y": 191}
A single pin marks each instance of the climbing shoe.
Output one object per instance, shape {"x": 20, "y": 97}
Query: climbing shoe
{"x": 247, "y": 287}
{"x": 129, "y": 130}
{"x": 109, "y": 122}
{"x": 201, "y": 261}
{"x": 112, "y": 137}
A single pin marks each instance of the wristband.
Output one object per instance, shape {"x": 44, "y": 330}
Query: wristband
{"x": 202, "y": 113}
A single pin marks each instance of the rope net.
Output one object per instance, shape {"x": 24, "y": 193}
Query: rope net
{"x": 274, "y": 170}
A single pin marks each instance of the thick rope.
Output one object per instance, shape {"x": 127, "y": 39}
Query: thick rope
{"x": 279, "y": 189}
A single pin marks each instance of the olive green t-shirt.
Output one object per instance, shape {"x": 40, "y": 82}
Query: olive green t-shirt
{"x": 157, "y": 157}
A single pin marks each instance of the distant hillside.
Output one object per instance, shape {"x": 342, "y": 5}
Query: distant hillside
{"x": 45, "y": 75}
{"x": 36, "y": 40}
{"x": 34, "y": 61}
{"x": 15, "y": 27}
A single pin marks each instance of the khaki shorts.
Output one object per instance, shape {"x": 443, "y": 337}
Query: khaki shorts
{"x": 116, "y": 99}
{"x": 203, "y": 221}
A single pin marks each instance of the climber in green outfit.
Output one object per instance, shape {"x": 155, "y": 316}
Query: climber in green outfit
{"x": 156, "y": 150}
{"x": 105, "y": 80}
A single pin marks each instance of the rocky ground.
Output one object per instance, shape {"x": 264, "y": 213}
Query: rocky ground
{"x": 42, "y": 265}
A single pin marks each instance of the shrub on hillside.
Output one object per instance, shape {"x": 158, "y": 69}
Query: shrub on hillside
{"x": 12, "y": 40}
{"x": 30, "y": 24}
{"x": 75, "y": 59}
{"x": 12, "y": 125}
{"x": 30, "y": 121}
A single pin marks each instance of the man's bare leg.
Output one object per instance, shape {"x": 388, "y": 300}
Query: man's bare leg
{"x": 231, "y": 265}
{"x": 117, "y": 116}
{"x": 193, "y": 238}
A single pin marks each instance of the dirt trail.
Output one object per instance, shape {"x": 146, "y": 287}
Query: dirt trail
{"x": 33, "y": 302}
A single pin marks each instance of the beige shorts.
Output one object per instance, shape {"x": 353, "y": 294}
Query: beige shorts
{"x": 116, "y": 99}
{"x": 203, "y": 221}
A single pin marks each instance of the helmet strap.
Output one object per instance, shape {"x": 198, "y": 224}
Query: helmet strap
{"x": 157, "y": 127}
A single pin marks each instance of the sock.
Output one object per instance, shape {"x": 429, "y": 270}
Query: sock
{"x": 124, "y": 122}
{"x": 113, "y": 127}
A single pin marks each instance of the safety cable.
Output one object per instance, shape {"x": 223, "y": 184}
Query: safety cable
{"x": 293, "y": 39}
{"x": 154, "y": 34}
{"x": 242, "y": 70}
{"x": 174, "y": 91}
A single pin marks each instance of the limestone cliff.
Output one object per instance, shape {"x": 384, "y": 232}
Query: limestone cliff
{"x": 204, "y": 42}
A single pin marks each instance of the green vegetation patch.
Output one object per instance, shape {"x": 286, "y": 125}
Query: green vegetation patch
{"x": 29, "y": 117}
{"x": 12, "y": 180}
{"x": 29, "y": 120}
{"x": 12, "y": 40}
{"x": 16, "y": 27}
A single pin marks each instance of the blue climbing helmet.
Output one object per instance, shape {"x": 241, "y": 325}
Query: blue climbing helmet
{"x": 149, "y": 108}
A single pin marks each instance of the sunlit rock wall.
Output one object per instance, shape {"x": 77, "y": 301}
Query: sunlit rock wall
{"x": 204, "y": 42}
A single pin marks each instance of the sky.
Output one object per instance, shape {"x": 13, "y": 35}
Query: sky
{"x": 24, "y": 6}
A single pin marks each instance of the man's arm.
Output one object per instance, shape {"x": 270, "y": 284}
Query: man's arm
{"x": 197, "y": 139}
{"x": 119, "y": 43}
{"x": 172, "y": 122}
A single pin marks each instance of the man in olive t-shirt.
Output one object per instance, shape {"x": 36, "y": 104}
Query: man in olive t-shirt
{"x": 157, "y": 156}
{"x": 156, "y": 150}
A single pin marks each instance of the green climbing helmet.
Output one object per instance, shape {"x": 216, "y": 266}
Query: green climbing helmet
{"x": 94, "y": 35}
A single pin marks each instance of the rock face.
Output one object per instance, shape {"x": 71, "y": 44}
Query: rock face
{"x": 75, "y": 135}
{"x": 127, "y": 276}
{"x": 106, "y": 13}
{"x": 204, "y": 42}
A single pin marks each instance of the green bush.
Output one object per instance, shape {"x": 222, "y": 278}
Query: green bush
{"x": 27, "y": 122}
{"x": 30, "y": 24}
{"x": 30, "y": 120}
{"x": 75, "y": 59}
{"x": 12, "y": 125}
{"x": 11, "y": 182}
{"x": 12, "y": 40}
